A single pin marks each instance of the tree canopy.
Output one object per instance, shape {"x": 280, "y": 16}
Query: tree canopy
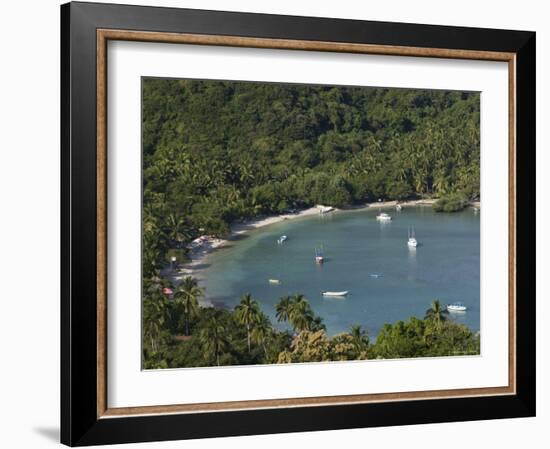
{"x": 215, "y": 152}
{"x": 246, "y": 336}
{"x": 219, "y": 151}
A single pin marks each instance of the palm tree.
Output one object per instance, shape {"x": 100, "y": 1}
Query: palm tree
{"x": 213, "y": 338}
{"x": 283, "y": 308}
{"x": 437, "y": 313}
{"x": 177, "y": 228}
{"x": 247, "y": 313}
{"x": 301, "y": 315}
{"x": 155, "y": 316}
{"x": 317, "y": 324}
{"x": 261, "y": 332}
{"x": 187, "y": 297}
{"x": 360, "y": 338}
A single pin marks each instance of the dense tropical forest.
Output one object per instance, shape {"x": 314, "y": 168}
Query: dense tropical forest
{"x": 216, "y": 152}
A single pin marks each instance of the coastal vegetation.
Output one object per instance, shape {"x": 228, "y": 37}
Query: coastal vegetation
{"x": 219, "y": 152}
{"x": 450, "y": 203}
{"x": 176, "y": 338}
{"x": 216, "y": 152}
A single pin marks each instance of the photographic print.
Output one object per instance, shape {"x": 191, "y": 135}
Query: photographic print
{"x": 256, "y": 207}
{"x": 294, "y": 223}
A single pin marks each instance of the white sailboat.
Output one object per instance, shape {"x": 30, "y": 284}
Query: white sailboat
{"x": 319, "y": 255}
{"x": 412, "y": 242}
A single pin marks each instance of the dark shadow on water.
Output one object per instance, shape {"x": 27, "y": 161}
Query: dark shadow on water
{"x": 238, "y": 237}
{"x": 49, "y": 433}
{"x": 240, "y": 227}
{"x": 201, "y": 266}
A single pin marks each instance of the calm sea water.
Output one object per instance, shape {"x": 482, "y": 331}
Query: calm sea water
{"x": 387, "y": 281}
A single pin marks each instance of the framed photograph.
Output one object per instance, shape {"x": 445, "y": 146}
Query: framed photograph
{"x": 280, "y": 224}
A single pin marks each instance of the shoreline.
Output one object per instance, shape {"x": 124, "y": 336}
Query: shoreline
{"x": 199, "y": 253}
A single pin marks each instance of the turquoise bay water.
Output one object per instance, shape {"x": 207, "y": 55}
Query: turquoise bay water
{"x": 356, "y": 247}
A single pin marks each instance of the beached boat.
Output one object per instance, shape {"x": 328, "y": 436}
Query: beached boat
{"x": 456, "y": 307}
{"x": 274, "y": 281}
{"x": 325, "y": 209}
{"x": 383, "y": 217}
{"x": 282, "y": 239}
{"x": 412, "y": 242}
{"x": 343, "y": 293}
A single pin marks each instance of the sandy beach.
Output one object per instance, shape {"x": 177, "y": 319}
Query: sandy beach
{"x": 198, "y": 253}
{"x": 207, "y": 244}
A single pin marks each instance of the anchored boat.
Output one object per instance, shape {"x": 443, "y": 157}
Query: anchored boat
{"x": 383, "y": 217}
{"x": 343, "y": 293}
{"x": 456, "y": 307}
{"x": 412, "y": 242}
{"x": 319, "y": 256}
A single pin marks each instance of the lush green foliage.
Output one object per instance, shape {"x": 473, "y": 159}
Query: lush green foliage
{"x": 246, "y": 336}
{"x": 219, "y": 151}
{"x": 450, "y": 203}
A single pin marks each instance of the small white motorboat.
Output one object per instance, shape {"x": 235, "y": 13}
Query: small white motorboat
{"x": 344, "y": 293}
{"x": 398, "y": 207}
{"x": 383, "y": 217}
{"x": 274, "y": 281}
{"x": 375, "y": 275}
{"x": 282, "y": 239}
{"x": 456, "y": 307}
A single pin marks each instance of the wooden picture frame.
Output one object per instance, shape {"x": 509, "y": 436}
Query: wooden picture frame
{"x": 86, "y": 29}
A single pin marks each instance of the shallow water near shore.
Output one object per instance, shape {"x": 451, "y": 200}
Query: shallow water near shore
{"x": 387, "y": 281}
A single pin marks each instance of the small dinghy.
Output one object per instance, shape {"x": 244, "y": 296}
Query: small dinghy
{"x": 282, "y": 239}
{"x": 343, "y": 293}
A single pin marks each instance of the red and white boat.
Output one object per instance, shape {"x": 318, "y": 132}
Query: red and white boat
{"x": 319, "y": 256}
